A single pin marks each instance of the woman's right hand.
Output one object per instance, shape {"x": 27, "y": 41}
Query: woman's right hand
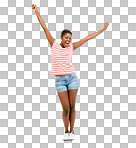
{"x": 34, "y": 7}
{"x": 106, "y": 25}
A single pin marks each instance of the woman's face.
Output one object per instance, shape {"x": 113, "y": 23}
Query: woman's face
{"x": 66, "y": 39}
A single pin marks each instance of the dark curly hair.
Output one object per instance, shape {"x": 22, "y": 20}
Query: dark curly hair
{"x": 65, "y": 31}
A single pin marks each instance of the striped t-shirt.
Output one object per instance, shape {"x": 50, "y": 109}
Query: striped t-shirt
{"x": 61, "y": 59}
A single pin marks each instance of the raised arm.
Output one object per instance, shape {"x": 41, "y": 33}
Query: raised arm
{"x": 90, "y": 36}
{"x": 47, "y": 32}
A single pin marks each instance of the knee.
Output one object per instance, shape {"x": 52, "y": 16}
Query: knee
{"x": 66, "y": 111}
{"x": 72, "y": 108}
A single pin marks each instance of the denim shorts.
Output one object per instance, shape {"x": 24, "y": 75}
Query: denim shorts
{"x": 63, "y": 83}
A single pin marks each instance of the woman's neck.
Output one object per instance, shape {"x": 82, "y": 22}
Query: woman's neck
{"x": 62, "y": 45}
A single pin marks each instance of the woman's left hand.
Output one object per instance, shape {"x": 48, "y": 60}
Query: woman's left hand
{"x": 106, "y": 25}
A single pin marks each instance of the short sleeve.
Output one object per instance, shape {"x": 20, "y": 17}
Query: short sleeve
{"x": 72, "y": 46}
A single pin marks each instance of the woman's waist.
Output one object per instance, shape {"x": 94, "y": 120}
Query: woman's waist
{"x": 62, "y": 75}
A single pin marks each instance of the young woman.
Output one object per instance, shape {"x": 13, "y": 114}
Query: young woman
{"x": 66, "y": 80}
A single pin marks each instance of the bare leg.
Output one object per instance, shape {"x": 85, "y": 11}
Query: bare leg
{"x": 72, "y": 119}
{"x": 63, "y": 96}
{"x": 72, "y": 99}
{"x": 65, "y": 116}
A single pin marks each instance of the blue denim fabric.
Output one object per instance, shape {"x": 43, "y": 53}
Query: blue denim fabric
{"x": 63, "y": 83}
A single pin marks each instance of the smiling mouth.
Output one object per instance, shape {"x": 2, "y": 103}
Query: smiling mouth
{"x": 67, "y": 43}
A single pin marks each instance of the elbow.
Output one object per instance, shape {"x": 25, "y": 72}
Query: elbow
{"x": 91, "y": 37}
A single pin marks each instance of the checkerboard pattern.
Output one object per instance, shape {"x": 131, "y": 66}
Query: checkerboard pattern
{"x": 30, "y": 110}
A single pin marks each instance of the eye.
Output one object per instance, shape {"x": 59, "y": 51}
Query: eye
{"x": 67, "y": 37}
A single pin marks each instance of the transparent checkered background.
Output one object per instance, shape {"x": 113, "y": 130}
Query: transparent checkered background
{"x": 30, "y": 110}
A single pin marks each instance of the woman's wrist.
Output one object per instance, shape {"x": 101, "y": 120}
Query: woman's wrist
{"x": 36, "y": 12}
